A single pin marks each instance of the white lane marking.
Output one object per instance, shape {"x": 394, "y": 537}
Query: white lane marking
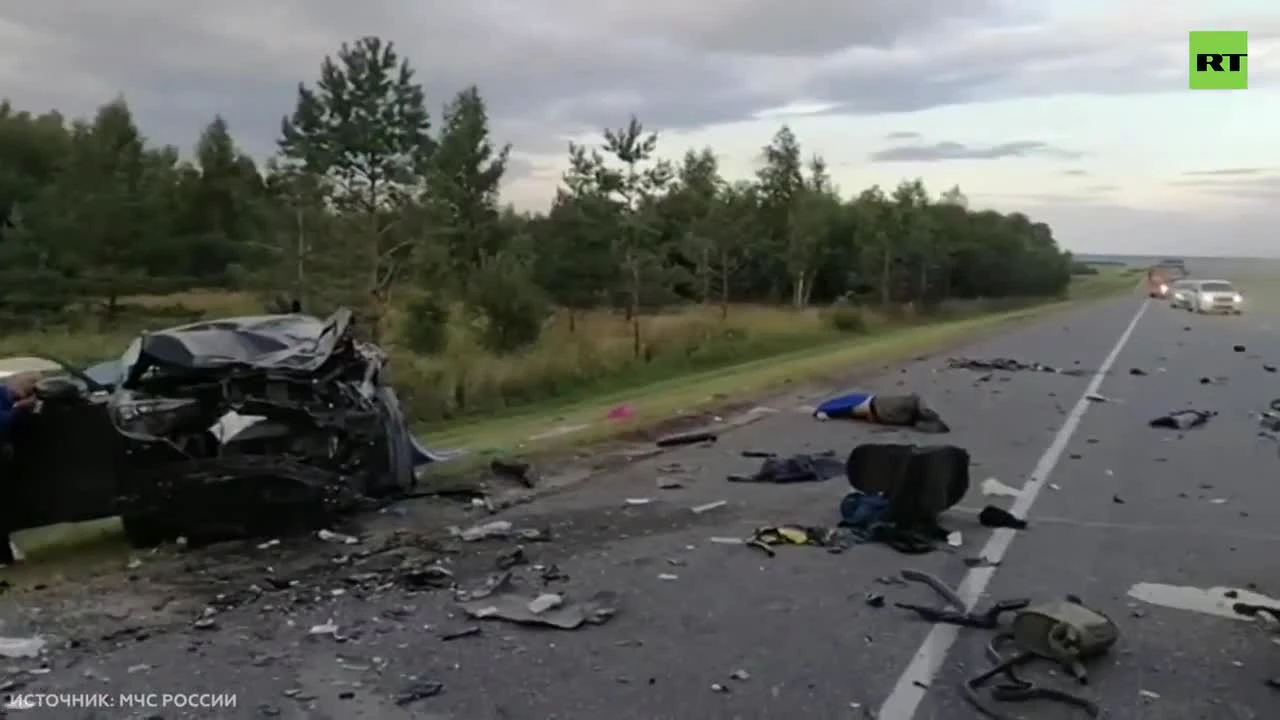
{"x": 923, "y": 668}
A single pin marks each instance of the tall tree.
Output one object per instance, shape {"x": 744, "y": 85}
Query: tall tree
{"x": 364, "y": 130}
{"x": 633, "y": 180}
{"x": 465, "y": 175}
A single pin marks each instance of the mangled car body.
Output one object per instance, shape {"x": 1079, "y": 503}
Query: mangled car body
{"x": 233, "y": 426}
{"x": 240, "y": 424}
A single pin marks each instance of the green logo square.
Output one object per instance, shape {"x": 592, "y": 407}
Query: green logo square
{"x": 1219, "y": 60}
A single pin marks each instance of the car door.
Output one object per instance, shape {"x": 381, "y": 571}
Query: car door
{"x": 62, "y": 463}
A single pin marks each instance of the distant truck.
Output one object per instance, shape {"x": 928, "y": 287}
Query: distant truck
{"x": 1158, "y": 281}
{"x": 1174, "y": 268}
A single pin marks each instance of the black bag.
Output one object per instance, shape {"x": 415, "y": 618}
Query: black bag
{"x": 920, "y": 482}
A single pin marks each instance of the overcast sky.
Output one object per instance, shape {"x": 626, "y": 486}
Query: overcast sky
{"x": 1074, "y": 111}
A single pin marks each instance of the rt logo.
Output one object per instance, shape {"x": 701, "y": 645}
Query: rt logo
{"x": 1219, "y": 60}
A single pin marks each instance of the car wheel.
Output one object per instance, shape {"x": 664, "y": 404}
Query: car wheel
{"x": 146, "y": 531}
{"x": 395, "y": 472}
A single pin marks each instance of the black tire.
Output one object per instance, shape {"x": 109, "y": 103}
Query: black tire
{"x": 145, "y": 531}
{"x": 396, "y": 474}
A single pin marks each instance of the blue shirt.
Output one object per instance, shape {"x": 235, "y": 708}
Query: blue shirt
{"x": 7, "y": 410}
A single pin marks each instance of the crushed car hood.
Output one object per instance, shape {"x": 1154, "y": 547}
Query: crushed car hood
{"x": 282, "y": 342}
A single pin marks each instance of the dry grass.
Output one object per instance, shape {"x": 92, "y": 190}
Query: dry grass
{"x": 566, "y": 365}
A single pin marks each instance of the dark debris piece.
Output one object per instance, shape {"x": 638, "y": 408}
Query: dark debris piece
{"x": 516, "y": 470}
{"x": 689, "y": 438}
{"x": 419, "y": 691}
{"x": 1008, "y": 365}
{"x": 994, "y": 517}
{"x": 795, "y": 469}
{"x": 1182, "y": 419}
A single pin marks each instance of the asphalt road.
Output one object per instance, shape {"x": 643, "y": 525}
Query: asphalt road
{"x": 1116, "y": 503}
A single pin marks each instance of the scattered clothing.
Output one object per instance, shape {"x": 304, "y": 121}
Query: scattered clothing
{"x": 862, "y": 513}
{"x": 868, "y": 519}
{"x": 795, "y": 469}
{"x": 1183, "y": 419}
{"x": 774, "y": 535}
{"x": 892, "y": 410}
{"x": 994, "y": 517}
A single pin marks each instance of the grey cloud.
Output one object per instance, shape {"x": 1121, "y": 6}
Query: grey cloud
{"x": 1241, "y": 187}
{"x": 1033, "y": 58}
{"x": 779, "y": 28}
{"x": 550, "y": 70}
{"x": 903, "y": 136}
{"x": 943, "y": 151}
{"x": 1225, "y": 172}
{"x": 553, "y": 69}
{"x": 1076, "y": 173}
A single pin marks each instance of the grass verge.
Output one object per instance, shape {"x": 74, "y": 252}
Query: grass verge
{"x": 532, "y": 431}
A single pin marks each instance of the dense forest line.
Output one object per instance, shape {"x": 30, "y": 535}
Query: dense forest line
{"x": 376, "y": 202}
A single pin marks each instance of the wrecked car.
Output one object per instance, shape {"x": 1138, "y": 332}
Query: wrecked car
{"x": 232, "y": 426}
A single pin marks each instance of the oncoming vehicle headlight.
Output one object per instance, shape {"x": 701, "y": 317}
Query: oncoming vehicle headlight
{"x": 1237, "y": 298}
{"x": 141, "y": 415}
{"x": 1164, "y": 288}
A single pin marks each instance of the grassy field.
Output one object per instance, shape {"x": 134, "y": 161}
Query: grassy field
{"x": 590, "y": 357}
{"x": 791, "y": 348}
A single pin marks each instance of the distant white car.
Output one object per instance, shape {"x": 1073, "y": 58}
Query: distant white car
{"x": 1213, "y": 296}
{"x": 1181, "y": 293}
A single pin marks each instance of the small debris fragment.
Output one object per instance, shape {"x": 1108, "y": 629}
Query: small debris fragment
{"x": 708, "y": 507}
{"x": 994, "y": 517}
{"x": 495, "y": 529}
{"x": 333, "y": 537}
{"x": 512, "y": 558}
{"x": 639, "y": 501}
{"x": 513, "y": 470}
{"x": 669, "y": 483}
{"x": 419, "y": 691}
{"x": 702, "y": 436}
{"x": 14, "y": 647}
{"x": 1117, "y": 500}
{"x": 741, "y": 675}
{"x": 668, "y": 576}
{"x": 329, "y": 628}
{"x": 875, "y": 600}
{"x": 718, "y": 688}
{"x": 545, "y": 602}
{"x": 1238, "y": 348}
{"x": 955, "y": 539}
{"x": 993, "y": 487}
{"x": 1147, "y": 694}
{"x": 460, "y": 633}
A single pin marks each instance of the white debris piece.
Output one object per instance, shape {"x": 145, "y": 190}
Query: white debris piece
{"x": 994, "y": 488}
